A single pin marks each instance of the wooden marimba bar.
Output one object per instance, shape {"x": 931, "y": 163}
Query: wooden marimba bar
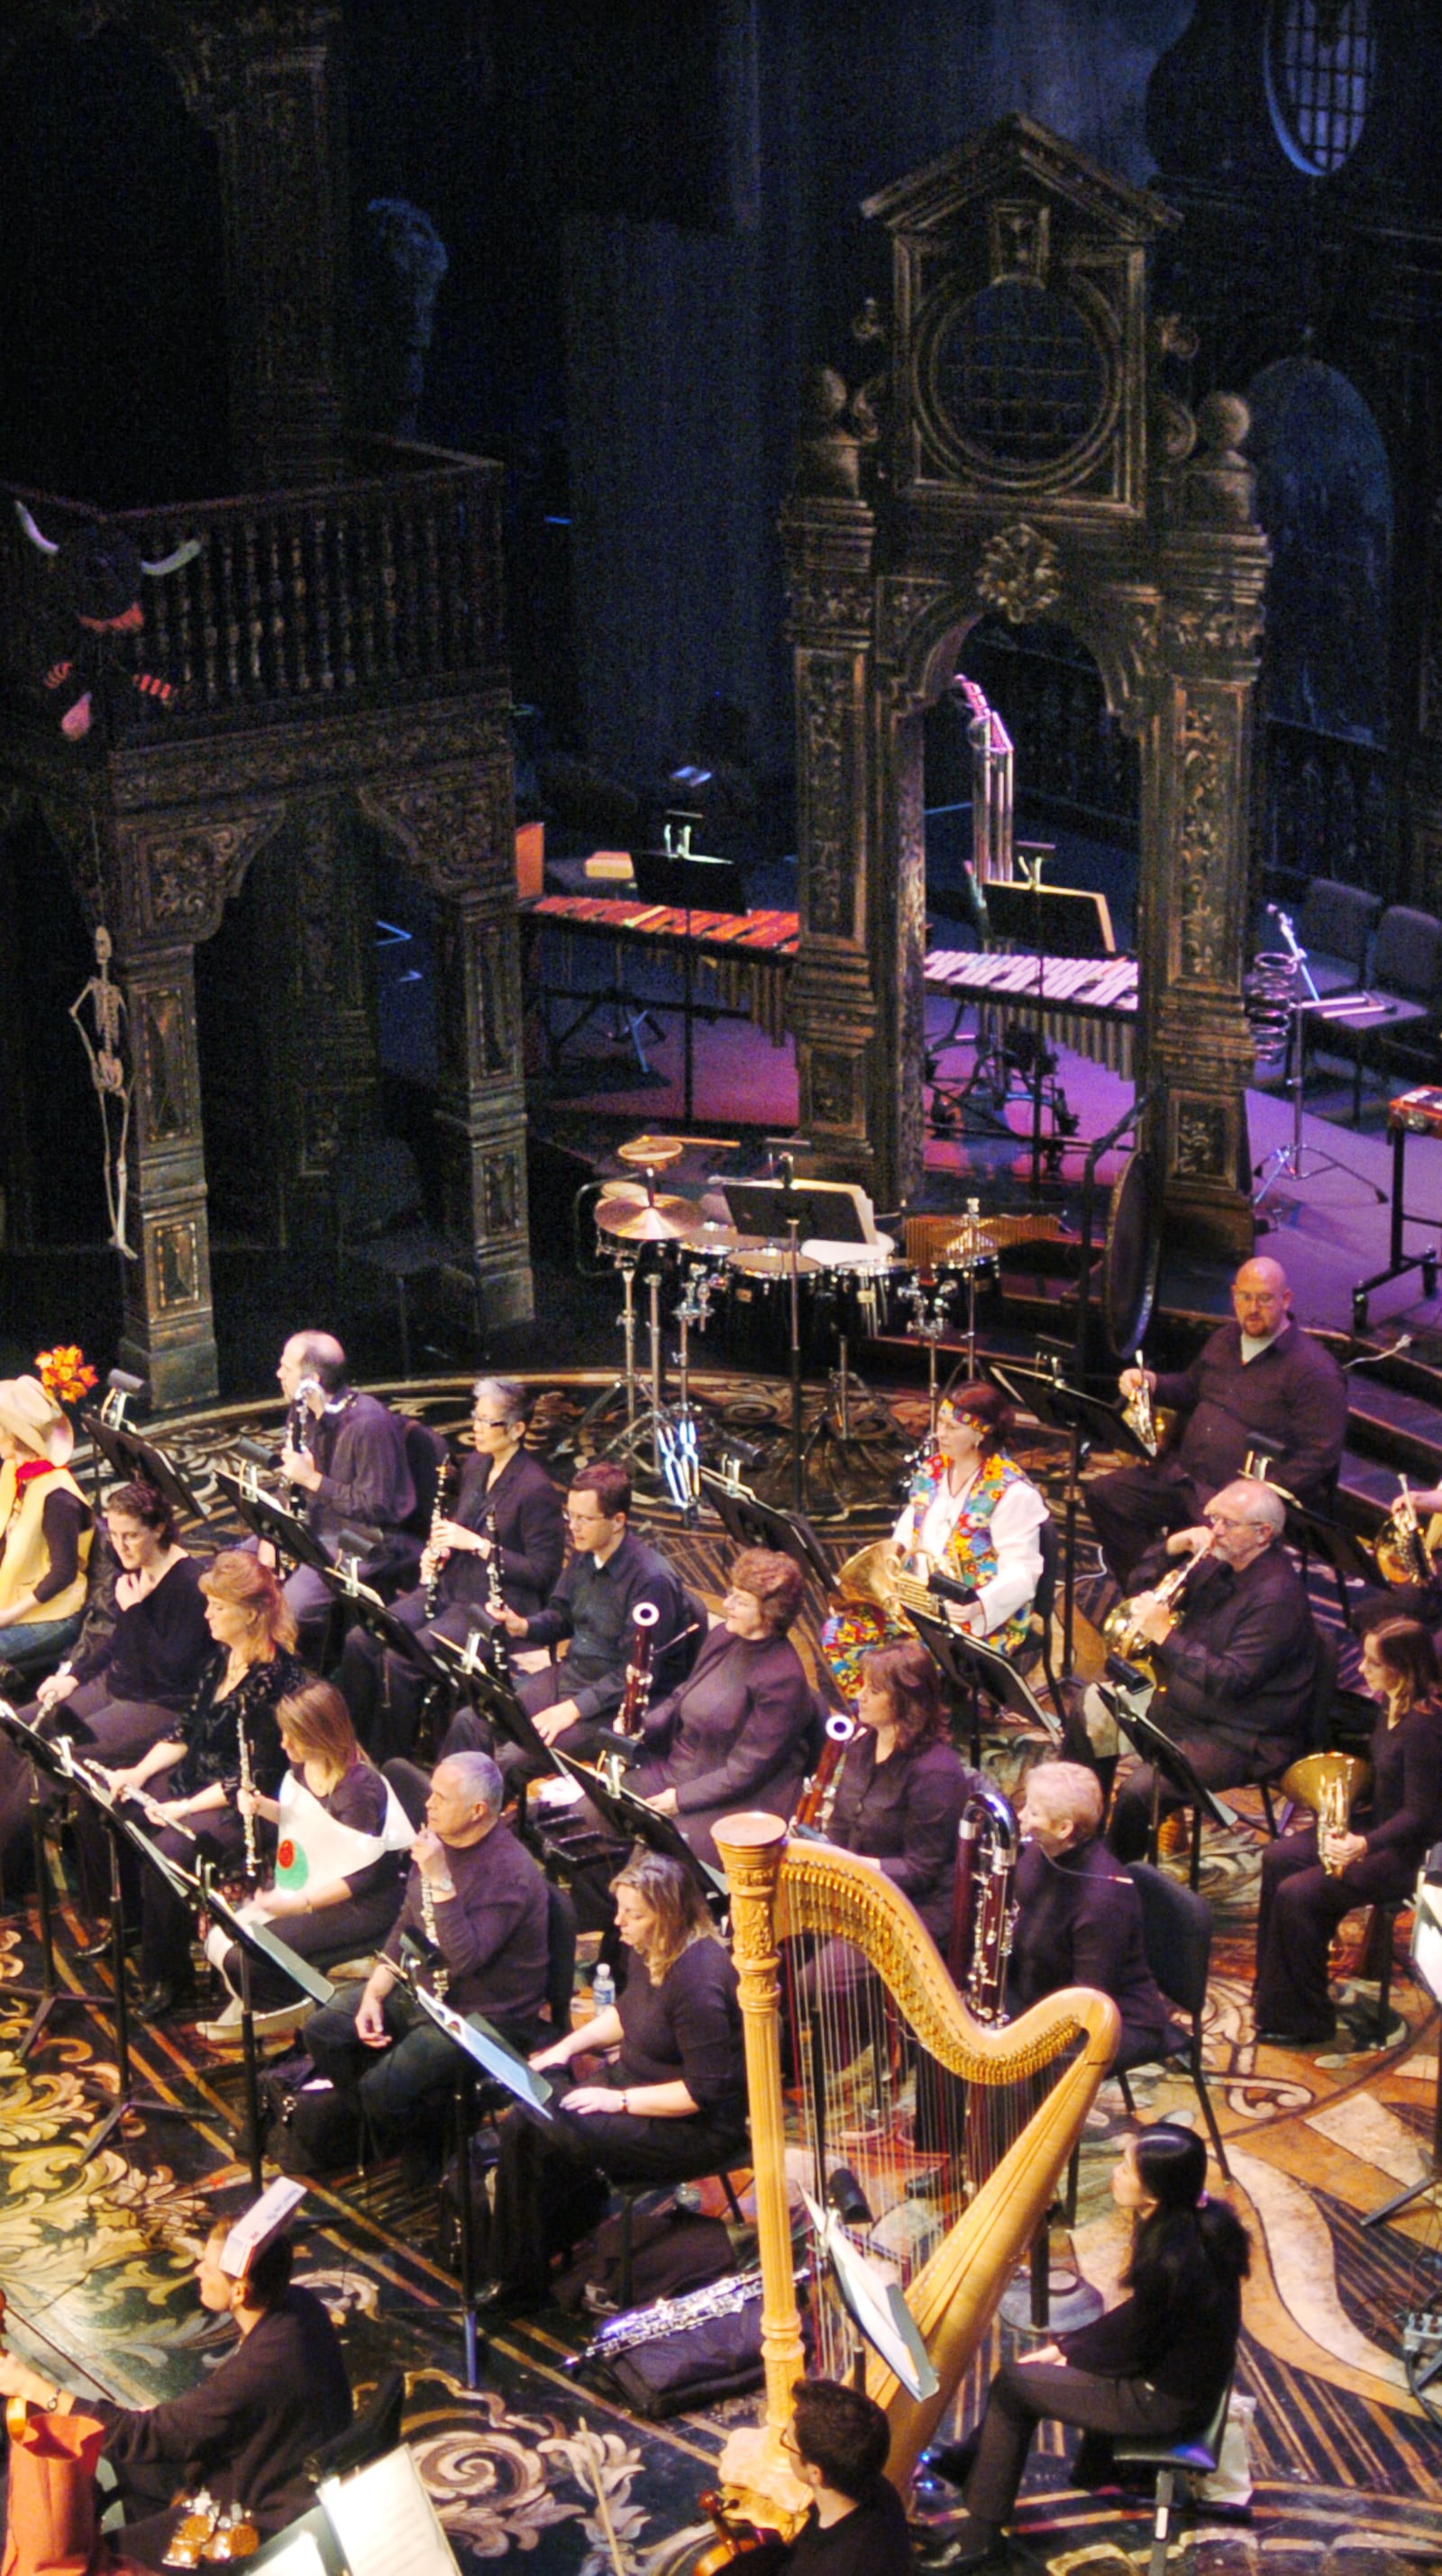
{"x": 1089, "y": 1003}
{"x": 747, "y": 955}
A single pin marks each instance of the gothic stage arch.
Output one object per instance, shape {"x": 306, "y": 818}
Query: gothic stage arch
{"x": 1025, "y": 457}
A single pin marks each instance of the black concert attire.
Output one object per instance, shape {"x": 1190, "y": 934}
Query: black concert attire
{"x": 872, "y": 2540}
{"x": 1302, "y": 1904}
{"x": 550, "y": 2182}
{"x": 904, "y": 1812}
{"x": 381, "y": 1689}
{"x": 134, "y": 1672}
{"x": 736, "y": 1734}
{"x": 1290, "y": 1400}
{"x": 327, "y": 1934}
{"x": 1148, "y": 2369}
{"x": 1079, "y": 1923}
{"x": 491, "y": 1936}
{"x": 244, "y": 2431}
{"x": 365, "y": 1487}
{"x": 210, "y": 1733}
{"x": 592, "y": 1605}
{"x": 1238, "y": 1674}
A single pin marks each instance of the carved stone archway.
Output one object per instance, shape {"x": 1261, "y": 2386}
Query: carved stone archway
{"x": 1028, "y": 462}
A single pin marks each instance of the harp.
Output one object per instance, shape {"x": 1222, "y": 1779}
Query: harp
{"x": 983, "y": 2119}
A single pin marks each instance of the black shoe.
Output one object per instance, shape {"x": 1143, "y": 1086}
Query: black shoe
{"x": 953, "y": 2549}
{"x": 167, "y": 1995}
{"x": 1301, "y": 2040}
{"x": 504, "y": 2299}
{"x": 99, "y": 1948}
{"x": 953, "y": 2461}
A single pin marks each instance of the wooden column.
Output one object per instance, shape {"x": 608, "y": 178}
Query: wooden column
{"x": 752, "y": 1848}
{"x": 168, "y": 1334}
{"x": 847, "y": 1109}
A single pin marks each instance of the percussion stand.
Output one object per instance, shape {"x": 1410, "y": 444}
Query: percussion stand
{"x": 626, "y": 1263}
{"x": 928, "y": 1305}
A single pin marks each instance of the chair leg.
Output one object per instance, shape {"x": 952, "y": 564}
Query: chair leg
{"x": 734, "y": 2204}
{"x": 1205, "y": 2099}
{"x": 1127, "y": 2094}
{"x": 1267, "y": 1809}
{"x": 627, "y": 2209}
{"x": 1161, "y": 2522}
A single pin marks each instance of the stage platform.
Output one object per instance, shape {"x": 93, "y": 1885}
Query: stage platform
{"x": 95, "y": 2253}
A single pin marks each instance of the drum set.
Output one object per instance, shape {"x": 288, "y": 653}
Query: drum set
{"x": 776, "y": 1308}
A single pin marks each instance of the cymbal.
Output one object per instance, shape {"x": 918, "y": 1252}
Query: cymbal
{"x": 655, "y": 1151}
{"x": 652, "y": 1221}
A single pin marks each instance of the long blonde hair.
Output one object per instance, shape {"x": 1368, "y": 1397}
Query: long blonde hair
{"x": 677, "y": 1905}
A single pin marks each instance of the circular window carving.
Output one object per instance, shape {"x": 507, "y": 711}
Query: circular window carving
{"x": 1321, "y": 55}
{"x": 1019, "y": 377}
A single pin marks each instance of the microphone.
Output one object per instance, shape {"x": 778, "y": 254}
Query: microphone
{"x": 847, "y": 2198}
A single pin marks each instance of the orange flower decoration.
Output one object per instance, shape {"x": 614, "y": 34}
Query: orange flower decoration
{"x": 65, "y": 1373}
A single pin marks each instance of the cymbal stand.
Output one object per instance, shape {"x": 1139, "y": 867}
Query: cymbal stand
{"x": 625, "y": 1261}
{"x": 963, "y": 1253}
{"x": 683, "y": 1447}
{"x": 928, "y": 1299}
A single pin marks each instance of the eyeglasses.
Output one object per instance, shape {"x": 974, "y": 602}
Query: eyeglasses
{"x": 489, "y": 1422}
{"x": 1218, "y": 1521}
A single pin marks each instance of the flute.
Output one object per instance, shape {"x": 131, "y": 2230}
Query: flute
{"x": 94, "y": 1778}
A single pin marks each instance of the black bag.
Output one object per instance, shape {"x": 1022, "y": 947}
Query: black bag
{"x": 671, "y": 2250}
{"x": 309, "y": 2128}
{"x": 719, "y": 2358}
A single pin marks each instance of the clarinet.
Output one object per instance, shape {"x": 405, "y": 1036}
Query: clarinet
{"x": 296, "y": 1423}
{"x": 247, "y": 1783}
{"x": 440, "y": 1974}
{"x": 495, "y": 1596}
{"x": 438, "y": 1515}
{"x": 813, "y": 1807}
{"x": 637, "y": 1692}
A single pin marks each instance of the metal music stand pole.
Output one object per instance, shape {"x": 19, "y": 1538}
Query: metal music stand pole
{"x": 49, "y": 1998}
{"x": 798, "y": 1458}
{"x": 127, "y": 2098}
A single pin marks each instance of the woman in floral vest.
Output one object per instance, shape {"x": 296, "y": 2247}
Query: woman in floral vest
{"x": 972, "y": 1515}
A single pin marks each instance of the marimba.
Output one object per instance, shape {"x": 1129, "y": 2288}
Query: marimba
{"x": 1087, "y": 1003}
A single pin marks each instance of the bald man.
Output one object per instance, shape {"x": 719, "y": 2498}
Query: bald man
{"x": 1259, "y": 1383}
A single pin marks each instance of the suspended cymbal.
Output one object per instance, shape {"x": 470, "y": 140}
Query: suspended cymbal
{"x": 655, "y": 1151}
{"x": 649, "y": 1221}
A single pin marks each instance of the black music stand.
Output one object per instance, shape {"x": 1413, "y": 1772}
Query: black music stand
{"x": 688, "y": 884}
{"x": 133, "y": 1460}
{"x": 494, "y": 1699}
{"x": 633, "y": 1820}
{"x": 186, "y": 1885}
{"x": 1089, "y": 1422}
{"x": 270, "y": 1521}
{"x": 976, "y": 1671}
{"x": 40, "y": 1754}
{"x": 1047, "y": 921}
{"x": 752, "y": 1523}
{"x": 256, "y": 1940}
{"x": 1168, "y": 1763}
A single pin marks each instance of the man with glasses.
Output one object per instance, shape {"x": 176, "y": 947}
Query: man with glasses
{"x": 591, "y": 1612}
{"x": 508, "y": 1525}
{"x": 1236, "y": 1660}
{"x": 1260, "y": 1383}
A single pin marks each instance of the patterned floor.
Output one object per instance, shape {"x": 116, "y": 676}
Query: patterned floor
{"x": 95, "y": 2254}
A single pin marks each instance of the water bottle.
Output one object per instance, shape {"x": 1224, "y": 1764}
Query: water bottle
{"x": 603, "y": 1987}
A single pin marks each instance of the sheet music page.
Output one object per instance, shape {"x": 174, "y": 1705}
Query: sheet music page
{"x": 385, "y": 2521}
{"x": 302, "y": 2558}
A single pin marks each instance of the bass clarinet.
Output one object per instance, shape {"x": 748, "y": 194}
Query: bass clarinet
{"x": 818, "y": 1797}
{"x": 637, "y": 1693}
{"x": 983, "y": 1911}
{"x": 437, "y": 1555}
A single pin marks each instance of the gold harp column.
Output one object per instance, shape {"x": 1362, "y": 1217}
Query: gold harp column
{"x": 828, "y": 544}
{"x": 1212, "y": 562}
{"x": 751, "y": 1848}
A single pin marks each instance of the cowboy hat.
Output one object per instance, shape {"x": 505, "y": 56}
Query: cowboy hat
{"x": 29, "y": 1416}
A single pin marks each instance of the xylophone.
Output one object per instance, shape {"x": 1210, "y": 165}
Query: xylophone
{"x": 1090, "y": 1003}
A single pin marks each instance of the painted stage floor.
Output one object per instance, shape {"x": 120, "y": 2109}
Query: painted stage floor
{"x": 96, "y": 2254}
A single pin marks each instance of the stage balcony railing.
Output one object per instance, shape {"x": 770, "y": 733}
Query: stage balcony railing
{"x": 373, "y": 589}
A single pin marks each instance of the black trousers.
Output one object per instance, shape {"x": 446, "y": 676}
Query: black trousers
{"x": 335, "y": 1933}
{"x": 1217, "y": 1764}
{"x": 1135, "y": 1506}
{"x": 468, "y": 1733}
{"x": 551, "y": 2179}
{"x": 1301, "y": 1907}
{"x": 113, "y": 1731}
{"x": 381, "y": 1690}
{"x": 1024, "y": 2393}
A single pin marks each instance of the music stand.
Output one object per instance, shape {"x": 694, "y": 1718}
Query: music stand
{"x": 1426, "y": 1953}
{"x": 1089, "y": 1422}
{"x": 876, "y": 2307}
{"x": 1046, "y": 921}
{"x": 632, "y": 1819}
{"x": 1168, "y": 1763}
{"x": 976, "y": 1671}
{"x": 48, "y": 1998}
{"x": 688, "y": 884}
{"x": 269, "y": 1520}
{"x": 256, "y": 1940}
{"x": 132, "y": 1460}
{"x": 494, "y": 1700}
{"x": 752, "y": 1523}
{"x": 186, "y": 1885}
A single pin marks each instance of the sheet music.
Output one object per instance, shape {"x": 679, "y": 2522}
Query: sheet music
{"x": 300, "y": 2557}
{"x": 386, "y": 2523}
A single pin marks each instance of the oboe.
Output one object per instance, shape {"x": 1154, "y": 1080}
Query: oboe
{"x": 437, "y": 1555}
{"x": 247, "y": 1790}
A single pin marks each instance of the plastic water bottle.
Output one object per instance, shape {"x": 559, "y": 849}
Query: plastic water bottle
{"x": 603, "y": 1987}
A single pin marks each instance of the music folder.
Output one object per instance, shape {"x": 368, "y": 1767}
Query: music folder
{"x": 493, "y": 2056}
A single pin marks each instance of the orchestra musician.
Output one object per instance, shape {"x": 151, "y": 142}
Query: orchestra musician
{"x": 1150, "y": 2370}
{"x": 351, "y": 1465}
{"x": 736, "y": 1732}
{"x": 1237, "y": 1670}
{"x": 610, "y": 1573}
{"x": 508, "y": 1527}
{"x": 1312, "y": 1877}
{"x": 342, "y": 1840}
{"x": 973, "y": 1515}
{"x": 836, "y": 2443}
{"x": 248, "y": 2425}
{"x": 672, "y": 2106}
{"x": 1078, "y": 1915}
{"x": 486, "y": 1898}
{"x": 194, "y": 1769}
{"x": 900, "y": 1791}
{"x": 46, "y": 1524}
{"x": 1259, "y": 1383}
{"x": 122, "y": 1686}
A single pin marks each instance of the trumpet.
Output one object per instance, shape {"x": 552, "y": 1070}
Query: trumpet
{"x": 1406, "y": 1553}
{"x": 1328, "y": 1784}
{"x": 1121, "y": 1627}
{"x": 1137, "y": 1411}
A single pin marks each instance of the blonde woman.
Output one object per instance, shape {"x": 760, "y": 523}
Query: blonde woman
{"x": 194, "y": 1770}
{"x": 673, "y": 2103}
